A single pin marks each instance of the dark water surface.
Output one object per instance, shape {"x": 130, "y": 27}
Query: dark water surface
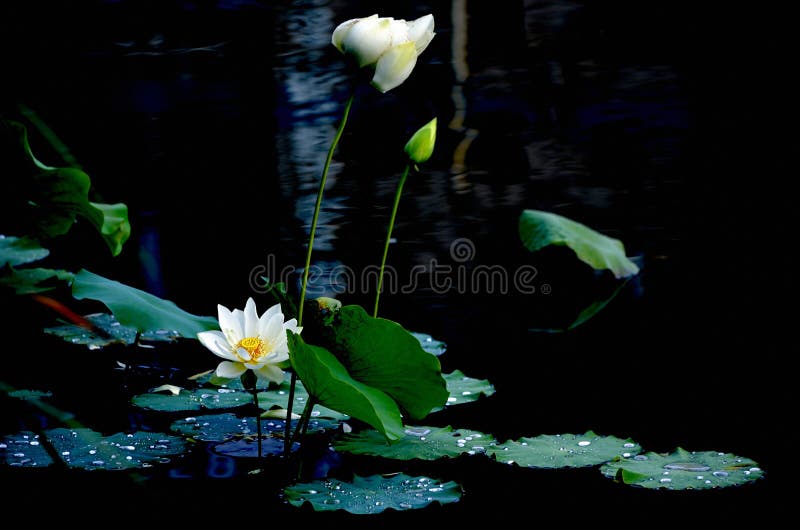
{"x": 657, "y": 123}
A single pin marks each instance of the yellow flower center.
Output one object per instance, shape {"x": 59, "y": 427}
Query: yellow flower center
{"x": 254, "y": 346}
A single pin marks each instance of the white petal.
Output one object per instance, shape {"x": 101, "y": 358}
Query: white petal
{"x": 268, "y": 314}
{"x": 279, "y": 414}
{"x": 420, "y": 32}
{"x": 238, "y": 314}
{"x": 172, "y": 389}
{"x": 250, "y": 319}
{"x": 270, "y": 372}
{"x": 229, "y": 325}
{"x": 368, "y": 39}
{"x": 341, "y": 30}
{"x": 243, "y": 354}
{"x": 273, "y": 330}
{"x": 399, "y": 31}
{"x": 230, "y": 370}
{"x": 395, "y": 66}
{"x": 277, "y": 355}
{"x": 291, "y": 325}
{"x": 217, "y": 343}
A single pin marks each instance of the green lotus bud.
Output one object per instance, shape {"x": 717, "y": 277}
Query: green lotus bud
{"x": 420, "y": 147}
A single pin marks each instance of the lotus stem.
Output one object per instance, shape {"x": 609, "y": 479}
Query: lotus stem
{"x": 389, "y": 236}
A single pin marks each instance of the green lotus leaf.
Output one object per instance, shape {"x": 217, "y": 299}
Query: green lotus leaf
{"x": 329, "y": 382}
{"x": 539, "y": 229}
{"x": 383, "y": 355}
{"x": 138, "y": 309}
{"x": 87, "y": 449}
{"x": 18, "y": 251}
{"x": 429, "y": 344}
{"x": 373, "y": 494}
{"x": 279, "y": 398}
{"x": 683, "y": 470}
{"x": 108, "y": 331}
{"x": 464, "y": 389}
{"x": 226, "y": 426}
{"x": 30, "y": 394}
{"x": 191, "y": 400}
{"x": 563, "y": 450}
{"x": 418, "y": 442}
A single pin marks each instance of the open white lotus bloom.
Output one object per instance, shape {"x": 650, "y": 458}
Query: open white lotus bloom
{"x": 390, "y": 46}
{"x": 250, "y": 342}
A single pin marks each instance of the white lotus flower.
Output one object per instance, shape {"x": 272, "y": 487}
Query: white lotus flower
{"x": 390, "y": 46}
{"x": 250, "y": 342}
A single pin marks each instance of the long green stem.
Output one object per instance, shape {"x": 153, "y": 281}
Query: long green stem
{"x": 287, "y": 441}
{"x": 389, "y": 236}
{"x": 302, "y": 425}
{"x": 320, "y": 191}
{"x": 258, "y": 420}
{"x": 287, "y": 435}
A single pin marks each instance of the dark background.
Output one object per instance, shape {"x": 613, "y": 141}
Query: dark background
{"x": 660, "y": 123}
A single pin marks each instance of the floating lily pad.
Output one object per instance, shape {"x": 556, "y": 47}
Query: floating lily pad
{"x": 429, "y": 344}
{"x": 24, "y": 449}
{"x": 465, "y": 389}
{"x": 112, "y": 333}
{"x": 563, "y": 450}
{"x": 683, "y": 470}
{"x": 248, "y": 447}
{"x": 279, "y": 398}
{"x": 30, "y": 394}
{"x": 87, "y": 449}
{"x": 210, "y": 378}
{"x": 373, "y": 494}
{"x": 229, "y": 396}
{"x": 189, "y": 400}
{"x": 423, "y": 443}
{"x": 223, "y": 427}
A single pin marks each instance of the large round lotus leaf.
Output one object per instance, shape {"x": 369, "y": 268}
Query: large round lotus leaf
{"x": 429, "y": 344}
{"x": 373, "y": 494}
{"x": 563, "y": 450}
{"x": 424, "y": 443}
{"x": 683, "y": 470}
{"x": 223, "y": 427}
{"x": 87, "y": 449}
{"x": 188, "y": 400}
{"x": 111, "y": 332}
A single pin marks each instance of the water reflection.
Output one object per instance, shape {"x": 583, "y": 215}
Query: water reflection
{"x": 543, "y": 124}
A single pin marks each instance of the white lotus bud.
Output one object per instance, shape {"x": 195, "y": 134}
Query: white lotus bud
{"x": 388, "y": 45}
